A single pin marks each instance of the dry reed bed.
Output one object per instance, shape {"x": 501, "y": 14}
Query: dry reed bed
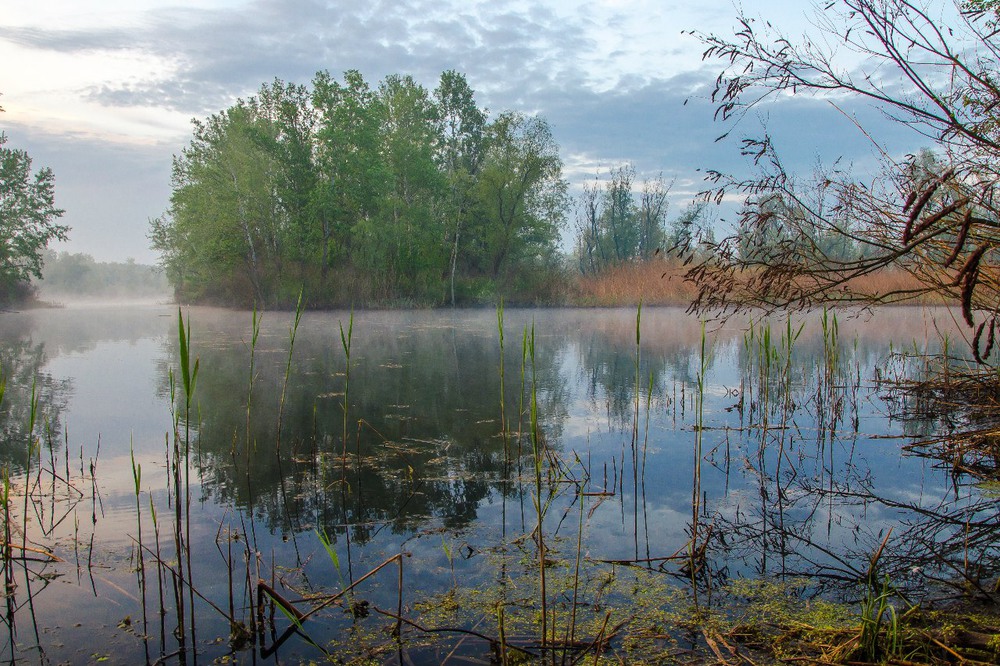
{"x": 665, "y": 282}
{"x": 652, "y": 282}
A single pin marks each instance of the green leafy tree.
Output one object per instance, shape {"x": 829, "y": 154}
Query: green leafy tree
{"x": 613, "y": 227}
{"x": 522, "y": 194}
{"x": 290, "y": 122}
{"x": 27, "y": 219}
{"x": 223, "y": 233}
{"x": 620, "y": 218}
{"x": 353, "y": 175}
{"x": 461, "y": 151}
{"x": 406, "y": 244}
{"x": 363, "y": 195}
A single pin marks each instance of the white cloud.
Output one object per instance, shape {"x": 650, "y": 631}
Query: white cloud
{"x": 611, "y": 76}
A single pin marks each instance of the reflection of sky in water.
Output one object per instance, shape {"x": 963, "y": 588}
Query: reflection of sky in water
{"x": 427, "y": 386}
{"x": 115, "y": 394}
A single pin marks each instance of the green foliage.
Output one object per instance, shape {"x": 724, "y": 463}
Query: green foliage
{"x": 877, "y": 613}
{"x": 609, "y": 232}
{"x": 618, "y": 223}
{"x": 522, "y": 195}
{"x": 363, "y": 194}
{"x": 27, "y": 219}
{"x": 462, "y": 146}
{"x": 226, "y": 219}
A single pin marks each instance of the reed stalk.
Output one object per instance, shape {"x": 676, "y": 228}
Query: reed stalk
{"x": 636, "y": 390}
{"x": 182, "y": 482}
{"x": 831, "y": 347}
{"x": 254, "y": 335}
{"x": 645, "y": 448}
{"x": 32, "y": 443}
{"x": 346, "y": 340}
{"x": 7, "y": 552}
{"x": 536, "y": 451}
{"x": 693, "y": 548}
{"x": 876, "y": 611}
{"x": 502, "y": 630}
{"x": 291, "y": 515}
{"x": 503, "y": 396}
{"x": 520, "y": 417}
{"x": 571, "y": 628}
{"x": 159, "y": 572}
{"x": 332, "y": 554}
{"x": 141, "y": 564}
{"x": 788, "y": 340}
{"x": 292, "y": 330}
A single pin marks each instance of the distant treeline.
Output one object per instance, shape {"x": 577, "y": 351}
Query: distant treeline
{"x": 80, "y": 276}
{"x": 386, "y": 195}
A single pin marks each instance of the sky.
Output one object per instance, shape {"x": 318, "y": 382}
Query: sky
{"x": 103, "y": 91}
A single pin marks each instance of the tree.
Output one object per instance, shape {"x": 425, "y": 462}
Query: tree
{"x": 613, "y": 228}
{"x": 521, "y": 192}
{"x": 462, "y": 147}
{"x": 27, "y": 219}
{"x": 988, "y": 10}
{"x": 620, "y": 218}
{"x": 361, "y": 195}
{"x": 291, "y": 125}
{"x": 352, "y": 168}
{"x": 939, "y": 224}
{"x": 653, "y": 205}
{"x": 407, "y": 244}
{"x": 74, "y": 274}
{"x": 589, "y": 248}
{"x": 687, "y": 230}
{"x": 226, "y": 221}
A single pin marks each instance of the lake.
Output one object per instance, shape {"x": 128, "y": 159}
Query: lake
{"x": 665, "y": 466}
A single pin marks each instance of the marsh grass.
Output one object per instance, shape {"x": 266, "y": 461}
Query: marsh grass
{"x": 696, "y": 547}
{"x": 7, "y": 553}
{"x": 48, "y": 496}
{"x": 293, "y": 329}
{"x": 503, "y": 395}
{"x": 654, "y": 282}
{"x": 665, "y": 282}
{"x": 537, "y": 456}
{"x": 140, "y": 555}
{"x": 182, "y": 480}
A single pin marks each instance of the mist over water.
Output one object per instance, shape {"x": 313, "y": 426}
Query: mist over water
{"x": 801, "y": 470}
{"x": 72, "y": 280}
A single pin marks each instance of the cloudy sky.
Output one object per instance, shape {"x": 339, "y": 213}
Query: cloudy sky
{"x": 103, "y": 91}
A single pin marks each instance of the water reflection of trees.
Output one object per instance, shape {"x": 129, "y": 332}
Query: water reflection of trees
{"x": 607, "y": 359}
{"x": 424, "y": 437}
{"x": 811, "y": 454}
{"x": 21, "y": 363}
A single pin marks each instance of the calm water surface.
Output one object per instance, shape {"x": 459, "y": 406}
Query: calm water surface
{"x": 800, "y": 468}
